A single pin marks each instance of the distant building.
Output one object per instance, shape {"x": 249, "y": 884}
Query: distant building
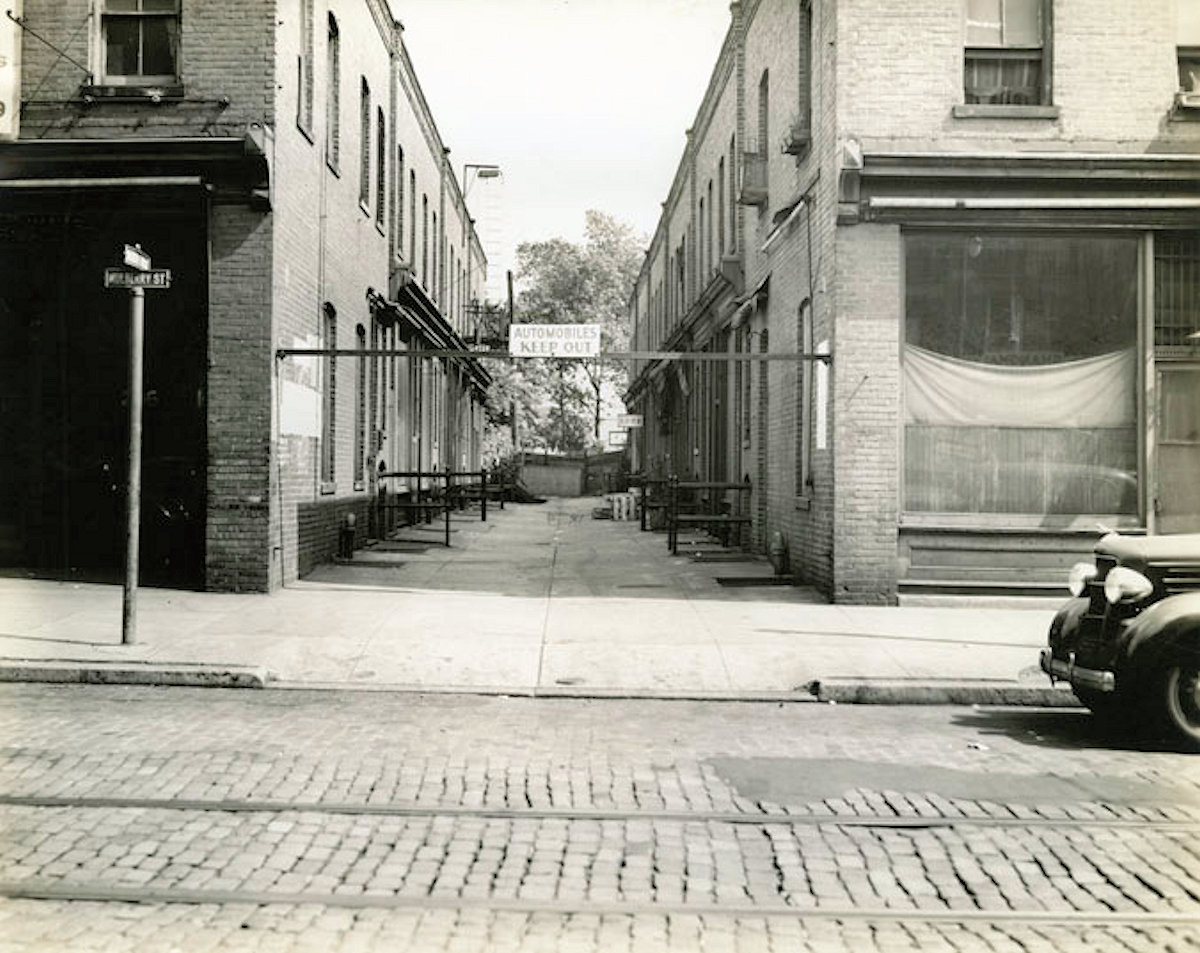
{"x": 978, "y": 226}
{"x": 281, "y": 161}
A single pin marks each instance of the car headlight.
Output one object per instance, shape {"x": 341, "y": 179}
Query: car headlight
{"x": 1126, "y": 585}
{"x": 1077, "y": 578}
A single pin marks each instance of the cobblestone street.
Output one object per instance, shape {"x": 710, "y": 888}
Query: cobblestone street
{"x": 192, "y": 820}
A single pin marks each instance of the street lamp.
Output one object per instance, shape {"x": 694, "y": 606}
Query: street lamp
{"x": 482, "y": 171}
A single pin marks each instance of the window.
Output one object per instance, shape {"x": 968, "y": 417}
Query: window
{"x": 412, "y": 218}
{"x": 764, "y": 106}
{"x": 804, "y": 422}
{"x": 328, "y": 420}
{"x": 1188, "y": 53}
{"x": 1019, "y": 374}
{"x": 733, "y": 235}
{"x": 140, "y": 41}
{"x": 801, "y": 134}
{"x": 1005, "y": 61}
{"x": 425, "y": 241}
{"x": 332, "y": 94}
{"x": 399, "y": 201}
{"x": 1176, "y": 288}
{"x": 364, "y": 157}
{"x": 360, "y": 409}
{"x": 381, "y": 169}
{"x": 721, "y": 207}
{"x": 708, "y": 231}
{"x": 304, "y": 90}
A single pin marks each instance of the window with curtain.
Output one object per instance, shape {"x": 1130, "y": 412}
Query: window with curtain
{"x": 140, "y": 41}
{"x": 1020, "y": 372}
{"x": 1005, "y": 59}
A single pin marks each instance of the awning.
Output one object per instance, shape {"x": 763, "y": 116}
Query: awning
{"x": 235, "y": 168}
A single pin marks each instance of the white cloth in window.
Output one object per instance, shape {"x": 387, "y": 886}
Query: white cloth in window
{"x": 947, "y": 391}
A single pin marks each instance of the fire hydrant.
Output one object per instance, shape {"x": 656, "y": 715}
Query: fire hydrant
{"x": 777, "y": 553}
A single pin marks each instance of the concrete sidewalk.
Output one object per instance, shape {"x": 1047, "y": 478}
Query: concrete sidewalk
{"x": 540, "y": 599}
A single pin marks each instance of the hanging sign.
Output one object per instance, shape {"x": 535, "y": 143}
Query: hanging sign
{"x": 554, "y": 340}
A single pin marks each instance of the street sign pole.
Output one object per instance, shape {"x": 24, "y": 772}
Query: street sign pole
{"x": 133, "y": 503}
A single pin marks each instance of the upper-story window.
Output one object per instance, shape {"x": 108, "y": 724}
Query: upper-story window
{"x": 304, "y": 91}
{"x": 381, "y": 168}
{"x": 140, "y": 42}
{"x": 1006, "y": 60}
{"x": 1188, "y": 52}
{"x": 399, "y": 201}
{"x": 364, "y": 159}
{"x": 333, "y": 94}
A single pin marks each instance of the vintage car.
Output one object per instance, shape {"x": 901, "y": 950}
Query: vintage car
{"x": 1128, "y": 641}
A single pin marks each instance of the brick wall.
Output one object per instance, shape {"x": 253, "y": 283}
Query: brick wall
{"x": 239, "y": 400}
{"x": 901, "y": 74}
{"x": 866, "y": 408}
{"x": 226, "y": 59}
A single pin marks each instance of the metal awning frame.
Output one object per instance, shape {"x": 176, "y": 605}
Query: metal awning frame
{"x": 693, "y": 356}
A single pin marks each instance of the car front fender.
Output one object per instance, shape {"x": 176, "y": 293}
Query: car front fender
{"x": 1170, "y": 626}
{"x": 1063, "y": 629}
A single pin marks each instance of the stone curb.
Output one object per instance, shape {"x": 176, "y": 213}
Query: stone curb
{"x": 850, "y": 691}
{"x": 179, "y": 674}
{"x": 845, "y": 691}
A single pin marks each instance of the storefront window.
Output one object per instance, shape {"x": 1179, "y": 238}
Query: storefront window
{"x": 1020, "y": 374}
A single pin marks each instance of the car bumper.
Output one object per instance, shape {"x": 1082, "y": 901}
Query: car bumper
{"x": 1068, "y": 671}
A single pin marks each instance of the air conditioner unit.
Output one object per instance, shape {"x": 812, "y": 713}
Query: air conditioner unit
{"x": 798, "y": 137}
{"x": 752, "y": 189}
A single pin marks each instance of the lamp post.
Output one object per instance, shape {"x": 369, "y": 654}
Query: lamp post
{"x": 483, "y": 170}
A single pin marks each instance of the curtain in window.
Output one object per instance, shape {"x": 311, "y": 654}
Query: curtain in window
{"x": 1019, "y": 375}
{"x": 947, "y": 391}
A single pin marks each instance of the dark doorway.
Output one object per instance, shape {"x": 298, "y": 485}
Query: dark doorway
{"x": 63, "y": 386}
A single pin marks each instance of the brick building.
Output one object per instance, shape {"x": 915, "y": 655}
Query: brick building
{"x": 280, "y": 159}
{"x": 966, "y": 235}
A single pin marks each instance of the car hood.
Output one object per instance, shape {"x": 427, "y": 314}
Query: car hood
{"x": 1180, "y": 547}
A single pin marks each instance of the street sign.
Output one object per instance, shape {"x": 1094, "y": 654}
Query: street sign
{"x": 629, "y": 421}
{"x": 134, "y": 257}
{"x": 123, "y": 278}
{"x": 554, "y": 340}
{"x": 618, "y": 438}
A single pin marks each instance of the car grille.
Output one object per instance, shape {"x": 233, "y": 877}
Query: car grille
{"x": 1177, "y": 578}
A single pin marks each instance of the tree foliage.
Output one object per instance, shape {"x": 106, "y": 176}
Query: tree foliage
{"x": 558, "y": 404}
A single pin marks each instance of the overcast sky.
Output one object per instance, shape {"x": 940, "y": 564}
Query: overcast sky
{"x": 583, "y": 103}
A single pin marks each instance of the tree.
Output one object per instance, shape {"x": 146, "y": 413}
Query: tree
{"x": 568, "y": 283}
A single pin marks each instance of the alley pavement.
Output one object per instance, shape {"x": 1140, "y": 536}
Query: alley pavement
{"x": 541, "y": 599}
